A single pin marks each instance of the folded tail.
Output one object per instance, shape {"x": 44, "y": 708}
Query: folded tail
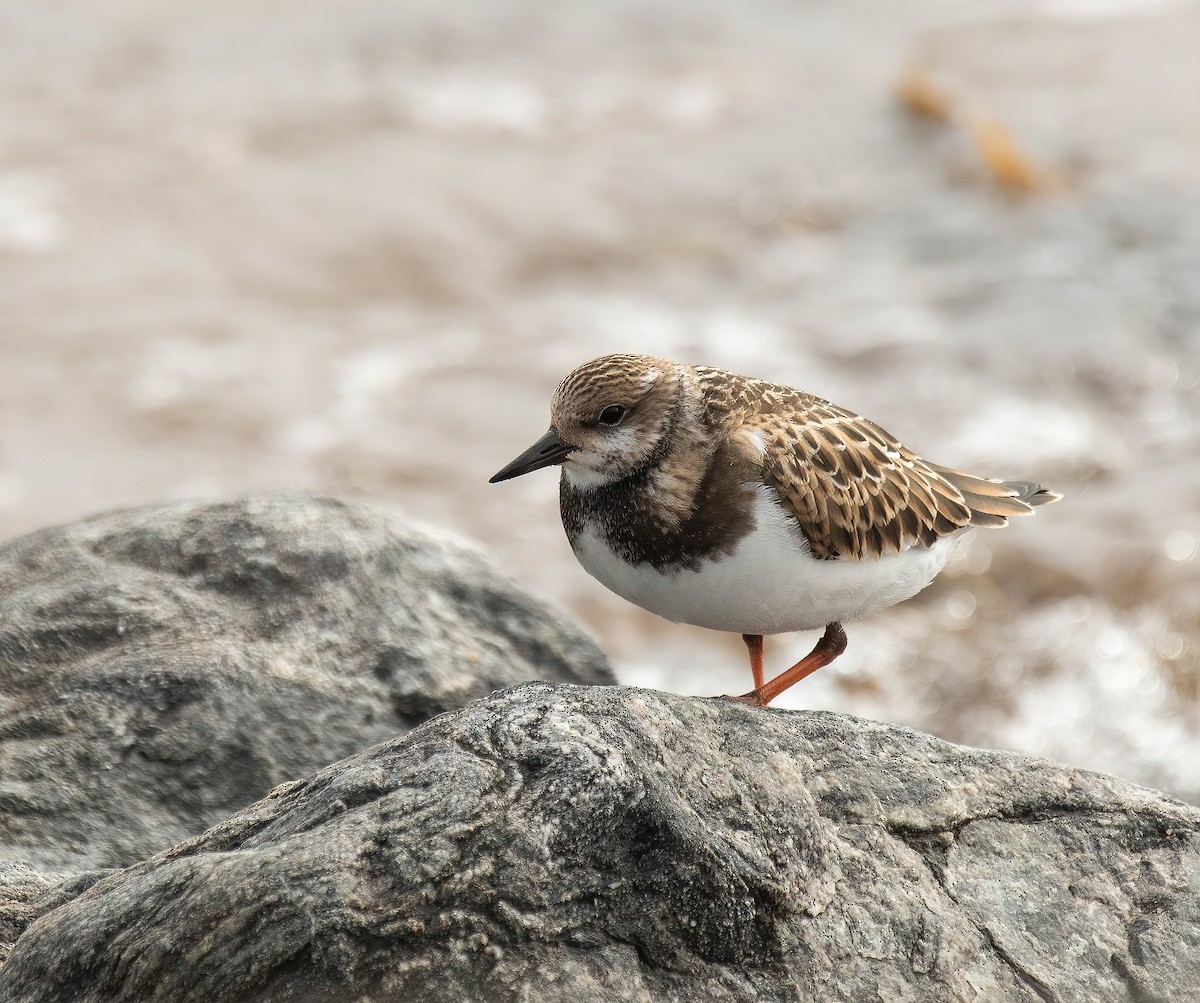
{"x": 992, "y": 502}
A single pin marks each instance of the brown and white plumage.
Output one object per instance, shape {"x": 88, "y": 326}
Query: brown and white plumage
{"x": 855, "y": 490}
{"x": 743, "y": 505}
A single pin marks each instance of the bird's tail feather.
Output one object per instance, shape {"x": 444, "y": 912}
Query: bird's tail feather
{"x": 993, "y": 502}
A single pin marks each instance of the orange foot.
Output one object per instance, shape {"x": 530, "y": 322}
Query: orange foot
{"x": 832, "y": 644}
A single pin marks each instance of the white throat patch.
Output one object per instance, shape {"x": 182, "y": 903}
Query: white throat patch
{"x": 586, "y": 469}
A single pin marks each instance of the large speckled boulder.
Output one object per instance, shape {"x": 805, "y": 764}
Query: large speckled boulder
{"x": 561, "y": 843}
{"x": 162, "y": 667}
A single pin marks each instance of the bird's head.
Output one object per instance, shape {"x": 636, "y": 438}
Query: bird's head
{"x": 606, "y": 420}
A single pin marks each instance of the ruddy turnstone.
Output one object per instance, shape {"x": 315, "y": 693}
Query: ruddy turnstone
{"x": 745, "y": 506}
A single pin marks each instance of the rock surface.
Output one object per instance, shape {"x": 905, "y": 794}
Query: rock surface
{"x": 163, "y": 667}
{"x": 561, "y": 843}
{"x": 20, "y": 888}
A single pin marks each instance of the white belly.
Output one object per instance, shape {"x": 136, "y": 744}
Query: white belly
{"x": 771, "y": 583}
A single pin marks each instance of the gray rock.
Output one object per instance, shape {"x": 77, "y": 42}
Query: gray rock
{"x": 559, "y": 843}
{"x": 20, "y": 888}
{"x": 163, "y": 667}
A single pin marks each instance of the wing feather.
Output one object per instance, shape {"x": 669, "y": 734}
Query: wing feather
{"x": 857, "y": 492}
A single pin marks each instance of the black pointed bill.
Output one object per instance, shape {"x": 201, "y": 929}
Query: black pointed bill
{"x": 547, "y": 451}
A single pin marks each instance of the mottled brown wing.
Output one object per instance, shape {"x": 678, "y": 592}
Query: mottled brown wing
{"x": 856, "y": 491}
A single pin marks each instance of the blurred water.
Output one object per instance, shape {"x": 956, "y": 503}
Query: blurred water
{"x": 354, "y": 249}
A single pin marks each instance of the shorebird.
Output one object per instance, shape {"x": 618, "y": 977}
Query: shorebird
{"x": 741, "y": 505}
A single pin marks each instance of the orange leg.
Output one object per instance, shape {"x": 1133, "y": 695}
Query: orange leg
{"x": 832, "y": 644}
{"x": 754, "y": 645}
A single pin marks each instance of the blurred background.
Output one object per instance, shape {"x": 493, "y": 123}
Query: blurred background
{"x": 353, "y": 247}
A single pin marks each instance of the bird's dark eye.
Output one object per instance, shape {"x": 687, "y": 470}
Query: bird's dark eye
{"x": 612, "y": 414}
